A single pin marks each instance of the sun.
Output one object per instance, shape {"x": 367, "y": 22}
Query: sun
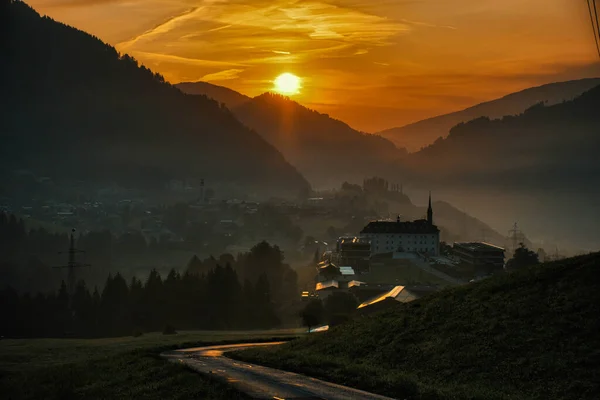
{"x": 287, "y": 83}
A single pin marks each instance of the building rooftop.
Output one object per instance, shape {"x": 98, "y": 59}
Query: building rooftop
{"x": 327, "y": 285}
{"x": 353, "y": 239}
{"x": 392, "y": 293}
{"x": 478, "y": 246}
{"x": 419, "y": 226}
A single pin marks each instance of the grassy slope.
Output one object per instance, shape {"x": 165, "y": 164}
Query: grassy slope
{"x": 132, "y": 375}
{"x": 30, "y": 354}
{"x": 113, "y": 368}
{"x": 533, "y": 334}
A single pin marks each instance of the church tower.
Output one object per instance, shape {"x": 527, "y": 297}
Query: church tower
{"x": 430, "y": 212}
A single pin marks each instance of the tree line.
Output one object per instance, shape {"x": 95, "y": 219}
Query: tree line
{"x": 255, "y": 291}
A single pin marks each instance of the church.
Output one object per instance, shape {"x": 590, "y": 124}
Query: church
{"x": 419, "y": 236}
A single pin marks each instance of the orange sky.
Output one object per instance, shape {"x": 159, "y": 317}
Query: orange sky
{"x": 372, "y": 63}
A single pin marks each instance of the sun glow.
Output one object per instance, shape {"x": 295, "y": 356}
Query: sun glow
{"x": 287, "y": 83}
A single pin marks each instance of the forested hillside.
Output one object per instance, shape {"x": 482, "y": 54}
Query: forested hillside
{"x": 74, "y": 108}
{"x": 423, "y": 133}
{"x": 325, "y": 150}
{"x": 222, "y": 94}
{"x": 527, "y": 151}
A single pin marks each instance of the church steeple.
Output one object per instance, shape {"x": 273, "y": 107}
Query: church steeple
{"x": 430, "y": 211}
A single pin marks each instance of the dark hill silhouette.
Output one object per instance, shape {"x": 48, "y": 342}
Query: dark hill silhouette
{"x": 325, "y": 150}
{"x": 508, "y": 336}
{"x": 543, "y": 148}
{"x": 539, "y": 168}
{"x": 422, "y": 133}
{"x": 222, "y": 94}
{"x": 73, "y": 108}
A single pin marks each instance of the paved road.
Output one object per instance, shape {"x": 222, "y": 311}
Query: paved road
{"x": 262, "y": 382}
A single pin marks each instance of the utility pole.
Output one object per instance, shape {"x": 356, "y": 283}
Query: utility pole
{"x": 72, "y": 264}
{"x": 514, "y": 235}
{"x": 593, "y": 11}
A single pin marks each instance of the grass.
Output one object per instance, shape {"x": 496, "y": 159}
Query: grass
{"x": 28, "y": 354}
{"x": 532, "y": 334}
{"x": 114, "y": 368}
{"x": 131, "y": 375}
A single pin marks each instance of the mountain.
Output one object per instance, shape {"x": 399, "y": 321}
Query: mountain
{"x": 326, "y": 151}
{"x": 530, "y": 334}
{"x": 539, "y": 168}
{"x": 419, "y": 134}
{"x": 73, "y": 108}
{"x": 543, "y": 147}
{"x": 221, "y": 94}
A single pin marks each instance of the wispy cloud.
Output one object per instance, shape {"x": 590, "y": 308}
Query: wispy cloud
{"x": 159, "y": 57}
{"x": 222, "y": 75}
{"x": 162, "y": 28}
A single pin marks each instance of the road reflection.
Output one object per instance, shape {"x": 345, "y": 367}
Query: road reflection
{"x": 218, "y": 350}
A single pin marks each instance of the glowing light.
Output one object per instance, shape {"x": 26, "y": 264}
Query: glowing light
{"x": 287, "y": 83}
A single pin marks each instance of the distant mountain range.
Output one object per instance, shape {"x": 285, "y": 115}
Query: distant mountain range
{"x": 420, "y": 134}
{"x": 222, "y": 94}
{"x": 540, "y": 168}
{"x": 73, "y": 108}
{"x": 326, "y": 151}
{"x": 544, "y": 147}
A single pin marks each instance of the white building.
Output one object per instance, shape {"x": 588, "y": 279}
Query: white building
{"x": 420, "y": 236}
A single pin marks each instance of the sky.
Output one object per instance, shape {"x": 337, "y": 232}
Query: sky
{"x": 374, "y": 64}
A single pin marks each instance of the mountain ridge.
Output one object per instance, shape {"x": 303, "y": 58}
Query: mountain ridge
{"x": 315, "y": 143}
{"x": 422, "y": 133}
{"x": 72, "y": 100}
{"x": 222, "y": 94}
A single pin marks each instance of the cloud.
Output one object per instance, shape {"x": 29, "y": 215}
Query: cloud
{"x": 158, "y": 57}
{"x": 442, "y": 55}
{"x": 79, "y": 3}
{"x": 312, "y": 19}
{"x": 162, "y": 28}
{"x": 222, "y": 75}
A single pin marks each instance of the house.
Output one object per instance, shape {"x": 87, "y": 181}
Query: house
{"x": 402, "y": 294}
{"x": 479, "y": 254}
{"x": 420, "y": 236}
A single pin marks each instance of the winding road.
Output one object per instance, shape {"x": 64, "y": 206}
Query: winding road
{"x": 262, "y": 382}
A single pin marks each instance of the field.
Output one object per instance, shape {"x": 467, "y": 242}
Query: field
{"x": 531, "y": 334}
{"x": 114, "y": 368}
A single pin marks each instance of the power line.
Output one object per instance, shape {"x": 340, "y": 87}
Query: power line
{"x": 72, "y": 264}
{"x": 595, "y": 26}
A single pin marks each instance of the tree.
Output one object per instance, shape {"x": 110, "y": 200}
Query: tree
{"x": 523, "y": 257}
{"x": 312, "y": 314}
{"x": 61, "y": 309}
{"x": 266, "y": 317}
{"x": 83, "y": 310}
{"x": 339, "y": 306}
